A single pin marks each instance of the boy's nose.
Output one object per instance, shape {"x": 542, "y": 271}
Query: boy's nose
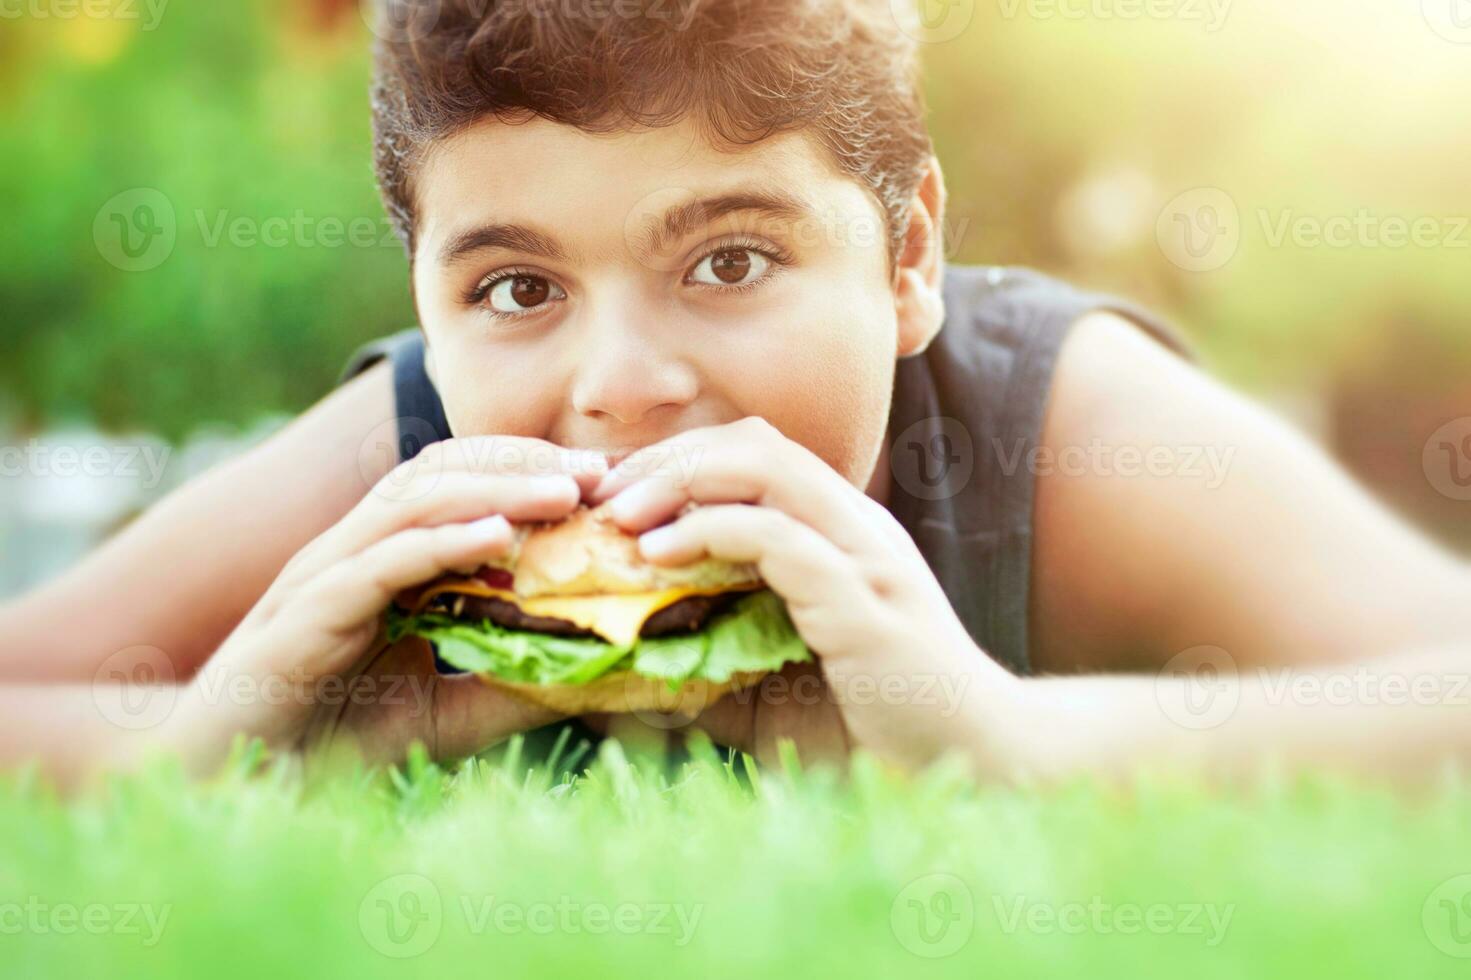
{"x": 626, "y": 373}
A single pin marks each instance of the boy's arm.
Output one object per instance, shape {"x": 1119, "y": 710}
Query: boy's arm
{"x": 183, "y": 575}
{"x": 65, "y": 729}
{"x": 1403, "y": 718}
{"x": 1257, "y": 543}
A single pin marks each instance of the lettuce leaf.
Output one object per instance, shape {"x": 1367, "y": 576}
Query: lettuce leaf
{"x": 759, "y": 636}
{"x": 753, "y": 634}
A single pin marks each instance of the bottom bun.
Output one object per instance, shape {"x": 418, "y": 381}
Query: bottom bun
{"x": 625, "y": 692}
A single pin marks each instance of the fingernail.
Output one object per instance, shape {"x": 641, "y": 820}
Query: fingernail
{"x": 659, "y": 542}
{"x": 630, "y": 501}
{"x": 600, "y": 491}
{"x": 492, "y": 528}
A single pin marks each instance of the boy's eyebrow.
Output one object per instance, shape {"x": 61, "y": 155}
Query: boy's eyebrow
{"x": 674, "y": 224}
{"x": 516, "y": 238}
{"x": 681, "y": 219}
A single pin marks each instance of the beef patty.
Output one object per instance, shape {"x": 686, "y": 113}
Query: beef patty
{"x": 684, "y": 616}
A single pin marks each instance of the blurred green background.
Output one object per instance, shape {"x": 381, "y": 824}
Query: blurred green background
{"x": 1066, "y": 130}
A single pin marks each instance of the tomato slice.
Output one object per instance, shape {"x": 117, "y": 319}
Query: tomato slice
{"x": 496, "y": 578}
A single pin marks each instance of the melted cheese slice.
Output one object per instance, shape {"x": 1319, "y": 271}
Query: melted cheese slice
{"x": 616, "y": 618}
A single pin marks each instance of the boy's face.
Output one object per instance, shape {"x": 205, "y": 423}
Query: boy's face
{"x": 606, "y": 292}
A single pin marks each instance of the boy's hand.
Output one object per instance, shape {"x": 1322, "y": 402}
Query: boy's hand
{"x": 306, "y": 661}
{"x": 894, "y": 656}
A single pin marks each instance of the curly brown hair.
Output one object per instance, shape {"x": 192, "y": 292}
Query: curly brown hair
{"x": 744, "y": 70}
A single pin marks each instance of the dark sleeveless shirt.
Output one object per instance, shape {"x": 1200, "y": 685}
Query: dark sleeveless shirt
{"x": 965, "y": 415}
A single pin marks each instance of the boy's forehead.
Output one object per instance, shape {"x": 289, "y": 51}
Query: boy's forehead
{"x": 561, "y": 178}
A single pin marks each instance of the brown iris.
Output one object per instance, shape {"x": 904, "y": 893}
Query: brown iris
{"x": 530, "y": 290}
{"x": 731, "y": 265}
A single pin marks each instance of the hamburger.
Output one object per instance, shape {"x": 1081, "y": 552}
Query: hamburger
{"x": 574, "y": 619}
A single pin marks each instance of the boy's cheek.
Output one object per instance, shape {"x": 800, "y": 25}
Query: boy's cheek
{"x": 493, "y": 395}
{"x": 825, "y": 381}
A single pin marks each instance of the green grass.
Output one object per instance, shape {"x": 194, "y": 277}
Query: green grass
{"x": 502, "y": 867}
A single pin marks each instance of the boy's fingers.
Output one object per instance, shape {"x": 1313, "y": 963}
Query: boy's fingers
{"x": 651, "y": 502}
{"x": 465, "y": 497}
{"x": 742, "y": 462}
{"x": 355, "y": 591}
{"x": 456, "y": 498}
{"x": 460, "y": 480}
{"x": 682, "y": 456}
{"x": 506, "y": 455}
{"x": 804, "y": 567}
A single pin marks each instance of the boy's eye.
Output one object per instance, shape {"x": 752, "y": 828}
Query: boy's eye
{"x": 730, "y": 267}
{"x": 516, "y": 294}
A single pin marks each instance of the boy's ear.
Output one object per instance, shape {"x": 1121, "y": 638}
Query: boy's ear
{"x": 920, "y": 269}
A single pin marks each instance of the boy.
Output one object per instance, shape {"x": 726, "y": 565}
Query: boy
{"x": 716, "y": 240}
